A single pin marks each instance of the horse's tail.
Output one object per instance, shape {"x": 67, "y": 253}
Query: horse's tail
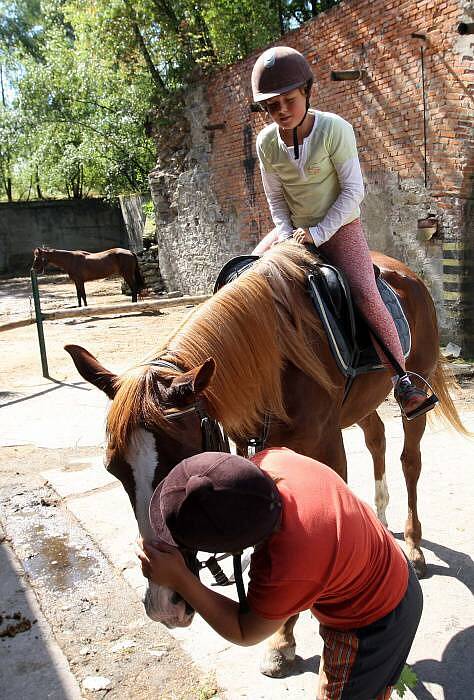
{"x": 139, "y": 281}
{"x": 442, "y": 382}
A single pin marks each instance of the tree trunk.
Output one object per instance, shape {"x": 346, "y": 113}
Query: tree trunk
{"x": 157, "y": 79}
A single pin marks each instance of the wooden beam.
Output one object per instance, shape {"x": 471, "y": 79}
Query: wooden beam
{"x": 104, "y": 309}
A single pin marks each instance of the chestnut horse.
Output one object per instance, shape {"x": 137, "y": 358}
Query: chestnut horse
{"x": 255, "y": 358}
{"x": 82, "y": 266}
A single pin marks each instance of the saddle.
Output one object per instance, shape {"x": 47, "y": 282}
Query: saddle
{"x": 347, "y": 331}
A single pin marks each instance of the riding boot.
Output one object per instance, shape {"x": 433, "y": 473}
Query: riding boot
{"x": 413, "y": 402}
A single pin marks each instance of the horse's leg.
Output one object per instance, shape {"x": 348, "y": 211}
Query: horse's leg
{"x": 83, "y": 293}
{"x": 331, "y": 451}
{"x": 411, "y": 463}
{"x": 78, "y": 292}
{"x": 374, "y": 434}
{"x": 133, "y": 287}
{"x": 129, "y": 278}
{"x": 280, "y": 651}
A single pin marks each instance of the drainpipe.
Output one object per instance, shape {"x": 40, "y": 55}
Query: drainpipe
{"x": 422, "y": 56}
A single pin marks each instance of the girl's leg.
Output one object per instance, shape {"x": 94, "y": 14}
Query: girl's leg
{"x": 348, "y": 250}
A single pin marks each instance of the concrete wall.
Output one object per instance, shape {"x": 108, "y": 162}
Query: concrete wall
{"x": 88, "y": 224}
{"x": 218, "y": 198}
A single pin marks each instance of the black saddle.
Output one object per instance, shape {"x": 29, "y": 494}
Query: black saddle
{"x": 233, "y": 268}
{"x": 348, "y": 333}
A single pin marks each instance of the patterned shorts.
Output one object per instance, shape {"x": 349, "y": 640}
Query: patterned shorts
{"x": 364, "y": 664}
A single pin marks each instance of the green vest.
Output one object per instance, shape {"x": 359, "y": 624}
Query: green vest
{"x": 310, "y": 192}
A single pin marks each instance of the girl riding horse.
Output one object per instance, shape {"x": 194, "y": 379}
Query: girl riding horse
{"x": 313, "y": 183}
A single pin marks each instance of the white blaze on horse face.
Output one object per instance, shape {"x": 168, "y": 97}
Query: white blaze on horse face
{"x": 143, "y": 459}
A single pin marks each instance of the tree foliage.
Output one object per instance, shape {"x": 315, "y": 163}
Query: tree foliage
{"x": 80, "y": 79}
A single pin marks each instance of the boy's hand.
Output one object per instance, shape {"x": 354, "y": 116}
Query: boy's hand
{"x": 162, "y": 564}
{"x": 302, "y": 235}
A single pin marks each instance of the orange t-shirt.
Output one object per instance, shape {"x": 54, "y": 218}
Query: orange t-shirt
{"x": 330, "y": 554}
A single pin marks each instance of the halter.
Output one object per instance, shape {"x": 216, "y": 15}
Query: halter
{"x": 214, "y": 439}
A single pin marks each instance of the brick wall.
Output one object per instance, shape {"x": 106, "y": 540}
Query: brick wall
{"x": 386, "y": 108}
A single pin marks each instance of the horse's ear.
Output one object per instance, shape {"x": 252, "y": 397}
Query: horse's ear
{"x": 185, "y": 386}
{"x": 92, "y": 371}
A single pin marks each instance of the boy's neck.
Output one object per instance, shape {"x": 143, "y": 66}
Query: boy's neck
{"x": 303, "y": 131}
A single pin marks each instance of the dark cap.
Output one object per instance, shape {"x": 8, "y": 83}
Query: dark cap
{"x": 279, "y": 70}
{"x": 215, "y": 502}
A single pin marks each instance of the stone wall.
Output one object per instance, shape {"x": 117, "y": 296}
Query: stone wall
{"x": 88, "y": 224}
{"x": 412, "y": 114}
{"x": 195, "y": 233}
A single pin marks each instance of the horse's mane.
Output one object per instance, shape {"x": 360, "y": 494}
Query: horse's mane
{"x": 253, "y": 327}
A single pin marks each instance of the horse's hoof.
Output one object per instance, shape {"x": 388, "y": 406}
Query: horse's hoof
{"x": 277, "y": 663}
{"x": 418, "y": 560}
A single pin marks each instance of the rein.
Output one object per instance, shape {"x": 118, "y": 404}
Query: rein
{"x": 214, "y": 439}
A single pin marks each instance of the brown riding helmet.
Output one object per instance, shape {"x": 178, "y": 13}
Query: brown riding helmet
{"x": 279, "y": 70}
{"x": 215, "y": 502}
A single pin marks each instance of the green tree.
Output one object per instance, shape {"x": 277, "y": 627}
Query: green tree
{"x": 83, "y": 80}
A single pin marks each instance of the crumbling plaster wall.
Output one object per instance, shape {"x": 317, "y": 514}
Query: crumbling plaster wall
{"x": 195, "y": 234}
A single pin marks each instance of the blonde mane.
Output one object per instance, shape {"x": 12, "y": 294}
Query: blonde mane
{"x": 253, "y": 327}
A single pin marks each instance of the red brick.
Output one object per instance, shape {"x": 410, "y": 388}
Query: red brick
{"x": 386, "y": 110}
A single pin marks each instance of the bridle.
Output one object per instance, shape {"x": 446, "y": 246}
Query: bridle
{"x": 214, "y": 439}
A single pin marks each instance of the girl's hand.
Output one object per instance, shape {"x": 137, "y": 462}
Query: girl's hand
{"x": 302, "y": 235}
{"x": 162, "y": 564}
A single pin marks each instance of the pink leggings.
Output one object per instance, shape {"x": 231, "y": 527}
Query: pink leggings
{"x": 348, "y": 250}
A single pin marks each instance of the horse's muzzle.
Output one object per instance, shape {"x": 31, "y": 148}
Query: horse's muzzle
{"x": 165, "y": 606}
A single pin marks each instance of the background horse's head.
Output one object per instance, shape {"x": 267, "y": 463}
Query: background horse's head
{"x": 40, "y": 260}
{"x": 153, "y": 424}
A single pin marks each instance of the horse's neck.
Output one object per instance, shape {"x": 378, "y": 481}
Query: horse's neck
{"x": 60, "y": 258}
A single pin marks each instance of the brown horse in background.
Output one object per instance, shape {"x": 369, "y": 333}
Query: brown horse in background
{"x": 257, "y": 350}
{"x": 82, "y": 266}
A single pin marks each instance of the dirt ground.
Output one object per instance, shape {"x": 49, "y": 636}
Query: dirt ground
{"x": 117, "y": 340}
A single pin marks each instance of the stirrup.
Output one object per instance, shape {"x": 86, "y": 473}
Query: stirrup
{"x": 429, "y": 403}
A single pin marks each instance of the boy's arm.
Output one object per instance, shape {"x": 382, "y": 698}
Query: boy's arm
{"x": 223, "y": 614}
{"x": 166, "y": 567}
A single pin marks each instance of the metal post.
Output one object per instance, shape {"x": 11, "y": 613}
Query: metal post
{"x": 39, "y": 323}
{"x": 425, "y": 137}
